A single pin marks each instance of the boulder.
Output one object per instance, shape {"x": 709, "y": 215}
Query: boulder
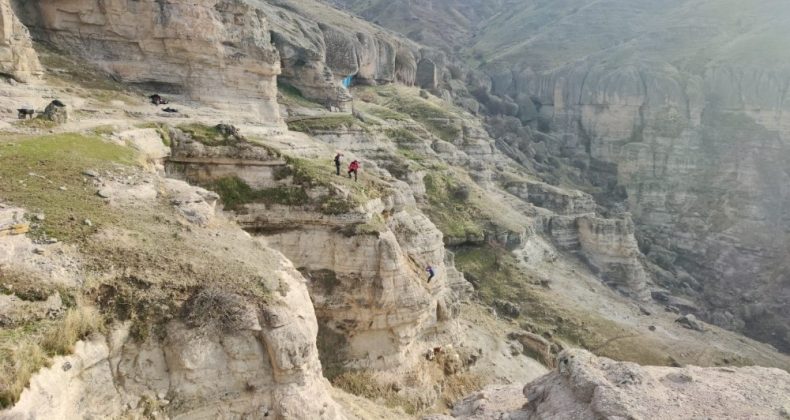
{"x": 56, "y": 112}
{"x": 691, "y": 322}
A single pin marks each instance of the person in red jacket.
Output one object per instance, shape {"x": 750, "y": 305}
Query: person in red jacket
{"x": 353, "y": 168}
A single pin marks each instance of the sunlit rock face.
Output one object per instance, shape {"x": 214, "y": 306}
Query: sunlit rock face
{"x": 18, "y": 59}
{"x": 214, "y": 51}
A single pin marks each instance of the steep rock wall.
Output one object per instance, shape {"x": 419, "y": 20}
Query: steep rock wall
{"x": 702, "y": 160}
{"x": 320, "y": 46}
{"x": 214, "y": 51}
{"x": 195, "y": 361}
{"x": 17, "y": 56}
{"x": 365, "y": 265}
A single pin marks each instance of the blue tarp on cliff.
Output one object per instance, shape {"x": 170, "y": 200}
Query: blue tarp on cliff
{"x": 347, "y": 81}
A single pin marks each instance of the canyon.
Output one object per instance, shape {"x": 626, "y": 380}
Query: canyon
{"x": 208, "y": 262}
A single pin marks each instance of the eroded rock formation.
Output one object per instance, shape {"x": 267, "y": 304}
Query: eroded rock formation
{"x": 214, "y": 51}
{"x": 365, "y": 263}
{"x": 588, "y": 387}
{"x": 17, "y": 56}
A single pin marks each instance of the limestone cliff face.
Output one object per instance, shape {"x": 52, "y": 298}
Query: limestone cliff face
{"x": 365, "y": 264}
{"x": 197, "y": 361}
{"x": 703, "y": 163}
{"x": 271, "y": 370}
{"x": 321, "y": 46}
{"x": 17, "y": 56}
{"x": 678, "y": 107}
{"x": 372, "y": 288}
{"x": 214, "y": 51}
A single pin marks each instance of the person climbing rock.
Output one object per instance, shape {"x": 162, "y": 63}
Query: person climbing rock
{"x": 353, "y": 168}
{"x": 337, "y": 162}
{"x": 431, "y": 273}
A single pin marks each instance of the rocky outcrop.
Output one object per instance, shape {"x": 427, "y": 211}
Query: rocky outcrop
{"x": 588, "y": 387}
{"x": 321, "y": 46}
{"x": 194, "y": 161}
{"x": 610, "y": 247}
{"x": 210, "y": 353}
{"x": 268, "y": 369}
{"x": 371, "y": 288}
{"x": 365, "y": 262}
{"x": 689, "y": 127}
{"x": 18, "y": 59}
{"x": 558, "y": 200}
{"x": 214, "y": 51}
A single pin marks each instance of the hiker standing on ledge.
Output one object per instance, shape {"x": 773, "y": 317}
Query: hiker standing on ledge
{"x": 353, "y": 168}
{"x": 431, "y": 273}
{"x": 337, "y": 162}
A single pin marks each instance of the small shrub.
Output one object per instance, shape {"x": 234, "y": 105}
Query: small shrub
{"x": 216, "y": 309}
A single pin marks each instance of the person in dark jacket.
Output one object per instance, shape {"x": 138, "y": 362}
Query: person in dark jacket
{"x": 337, "y": 162}
{"x": 431, "y": 273}
{"x": 353, "y": 168}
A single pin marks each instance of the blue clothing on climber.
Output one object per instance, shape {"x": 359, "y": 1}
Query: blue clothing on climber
{"x": 431, "y": 273}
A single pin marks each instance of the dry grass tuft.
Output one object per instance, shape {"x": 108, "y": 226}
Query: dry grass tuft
{"x": 77, "y": 324}
{"x": 25, "y": 359}
{"x": 460, "y": 385}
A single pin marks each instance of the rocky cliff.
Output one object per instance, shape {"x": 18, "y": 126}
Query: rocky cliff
{"x": 678, "y": 113}
{"x": 364, "y": 248}
{"x": 17, "y": 57}
{"x": 229, "y": 338}
{"x": 216, "y": 52}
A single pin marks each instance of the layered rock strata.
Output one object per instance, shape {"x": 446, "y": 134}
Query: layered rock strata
{"x": 365, "y": 264}
{"x": 214, "y": 51}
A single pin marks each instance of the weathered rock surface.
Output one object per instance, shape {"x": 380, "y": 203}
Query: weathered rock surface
{"x": 680, "y": 113}
{"x": 320, "y": 46}
{"x": 214, "y": 51}
{"x": 17, "y": 56}
{"x": 588, "y": 387}
{"x": 365, "y": 265}
{"x": 261, "y": 363}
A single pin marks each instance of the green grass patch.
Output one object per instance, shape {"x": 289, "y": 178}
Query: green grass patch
{"x": 235, "y": 193}
{"x": 386, "y": 113}
{"x": 402, "y": 136}
{"x": 37, "y": 122}
{"x": 496, "y": 274}
{"x": 35, "y": 168}
{"x": 292, "y": 96}
{"x": 312, "y": 172}
{"x": 208, "y": 135}
{"x": 434, "y": 118}
{"x": 449, "y": 209}
{"x": 326, "y": 123}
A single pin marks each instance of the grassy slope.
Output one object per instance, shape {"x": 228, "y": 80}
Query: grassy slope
{"x": 35, "y": 168}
